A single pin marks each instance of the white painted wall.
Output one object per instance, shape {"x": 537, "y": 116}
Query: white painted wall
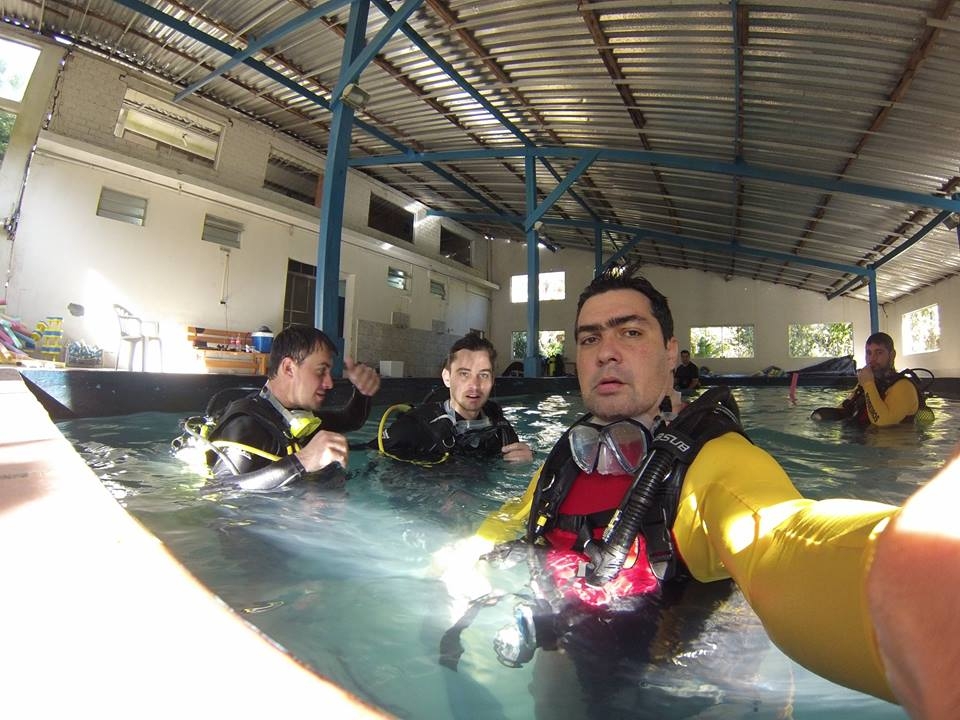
{"x": 64, "y": 253}
{"x": 698, "y": 299}
{"x": 944, "y": 362}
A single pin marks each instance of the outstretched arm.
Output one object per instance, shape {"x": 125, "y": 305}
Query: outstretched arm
{"x": 912, "y": 591}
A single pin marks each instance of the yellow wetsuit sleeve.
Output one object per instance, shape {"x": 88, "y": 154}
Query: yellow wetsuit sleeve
{"x": 801, "y": 564}
{"x": 510, "y": 521}
{"x": 900, "y": 401}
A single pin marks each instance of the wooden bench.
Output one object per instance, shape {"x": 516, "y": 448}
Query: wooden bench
{"x": 217, "y": 349}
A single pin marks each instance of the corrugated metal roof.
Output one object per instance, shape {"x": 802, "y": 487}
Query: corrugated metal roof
{"x": 790, "y": 142}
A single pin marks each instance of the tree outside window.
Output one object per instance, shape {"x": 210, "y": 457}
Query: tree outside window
{"x": 726, "y": 341}
{"x": 820, "y": 340}
{"x": 551, "y": 343}
{"x": 921, "y": 330}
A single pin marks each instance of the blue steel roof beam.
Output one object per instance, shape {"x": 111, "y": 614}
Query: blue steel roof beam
{"x": 257, "y": 44}
{"x": 267, "y": 71}
{"x": 464, "y": 85}
{"x": 740, "y": 20}
{"x": 666, "y": 238}
{"x": 682, "y": 162}
{"x": 350, "y": 74}
{"x": 585, "y": 162}
{"x": 917, "y": 237}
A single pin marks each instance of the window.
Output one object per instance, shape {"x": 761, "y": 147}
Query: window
{"x": 168, "y": 128}
{"x": 921, "y": 330}
{"x": 454, "y": 246}
{"x": 729, "y": 341}
{"x": 820, "y": 340}
{"x": 222, "y": 232}
{"x": 551, "y": 343}
{"x": 120, "y": 206}
{"x": 16, "y": 66}
{"x": 292, "y": 177}
{"x": 439, "y": 289}
{"x": 391, "y": 219}
{"x": 552, "y": 287}
{"x": 399, "y": 279}
{"x": 299, "y": 301}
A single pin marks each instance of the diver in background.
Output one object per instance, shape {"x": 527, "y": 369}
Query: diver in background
{"x": 468, "y": 423}
{"x": 278, "y": 434}
{"x": 686, "y": 374}
{"x": 882, "y": 396}
{"x": 635, "y": 505}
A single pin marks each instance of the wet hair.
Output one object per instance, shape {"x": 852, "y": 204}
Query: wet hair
{"x": 473, "y": 343}
{"x": 881, "y": 338}
{"x": 624, "y": 278}
{"x": 297, "y": 342}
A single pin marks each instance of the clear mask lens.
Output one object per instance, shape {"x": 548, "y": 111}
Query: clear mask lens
{"x": 615, "y": 449}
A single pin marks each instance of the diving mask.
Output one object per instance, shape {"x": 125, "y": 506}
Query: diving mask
{"x": 615, "y": 449}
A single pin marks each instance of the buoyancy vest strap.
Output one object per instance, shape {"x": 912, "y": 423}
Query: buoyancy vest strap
{"x": 656, "y": 487}
{"x": 402, "y": 408}
{"x": 250, "y": 449}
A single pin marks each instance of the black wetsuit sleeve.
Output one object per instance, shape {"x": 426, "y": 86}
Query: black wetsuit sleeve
{"x": 273, "y": 476}
{"x": 350, "y": 417}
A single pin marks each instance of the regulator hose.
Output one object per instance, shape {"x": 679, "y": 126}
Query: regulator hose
{"x": 678, "y": 442}
{"x": 607, "y": 558}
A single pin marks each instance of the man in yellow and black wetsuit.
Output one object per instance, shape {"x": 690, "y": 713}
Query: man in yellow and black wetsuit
{"x": 883, "y": 396}
{"x": 275, "y": 436}
{"x": 708, "y": 504}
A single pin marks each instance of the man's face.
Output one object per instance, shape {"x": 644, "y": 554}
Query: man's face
{"x": 623, "y": 362}
{"x": 685, "y": 358}
{"x": 470, "y": 379}
{"x": 304, "y": 386}
{"x": 879, "y": 358}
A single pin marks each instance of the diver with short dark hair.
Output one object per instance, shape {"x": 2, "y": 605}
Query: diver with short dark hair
{"x": 883, "y": 396}
{"x": 278, "y": 434}
{"x": 627, "y": 505}
{"x": 468, "y": 423}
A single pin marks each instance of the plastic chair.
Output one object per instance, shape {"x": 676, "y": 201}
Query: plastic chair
{"x": 136, "y": 331}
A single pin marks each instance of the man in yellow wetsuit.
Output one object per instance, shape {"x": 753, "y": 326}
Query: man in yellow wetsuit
{"x": 801, "y": 564}
{"x": 882, "y": 396}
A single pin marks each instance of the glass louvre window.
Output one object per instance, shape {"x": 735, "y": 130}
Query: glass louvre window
{"x": 116, "y": 205}
{"x": 222, "y": 232}
{"x": 399, "y": 279}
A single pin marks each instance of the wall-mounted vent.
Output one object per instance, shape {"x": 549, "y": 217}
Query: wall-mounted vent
{"x": 222, "y": 232}
{"x": 439, "y": 327}
{"x": 120, "y": 206}
{"x": 400, "y": 320}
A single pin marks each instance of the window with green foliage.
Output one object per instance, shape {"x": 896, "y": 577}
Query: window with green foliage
{"x": 551, "y": 343}
{"x": 7, "y": 119}
{"x": 820, "y": 340}
{"x": 921, "y": 330}
{"x": 722, "y": 341}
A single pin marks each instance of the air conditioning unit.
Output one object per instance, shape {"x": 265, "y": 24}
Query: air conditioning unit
{"x": 400, "y": 320}
{"x": 439, "y": 327}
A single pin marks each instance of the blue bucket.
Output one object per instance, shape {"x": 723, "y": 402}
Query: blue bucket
{"x": 262, "y": 341}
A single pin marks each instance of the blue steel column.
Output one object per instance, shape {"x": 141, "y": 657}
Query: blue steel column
{"x": 874, "y": 313}
{"x": 597, "y": 250}
{"x": 531, "y": 363}
{"x": 334, "y": 189}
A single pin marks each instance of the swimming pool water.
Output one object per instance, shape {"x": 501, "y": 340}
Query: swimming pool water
{"x": 346, "y": 578}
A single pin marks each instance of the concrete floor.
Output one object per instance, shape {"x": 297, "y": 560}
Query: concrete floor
{"x": 96, "y": 617}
